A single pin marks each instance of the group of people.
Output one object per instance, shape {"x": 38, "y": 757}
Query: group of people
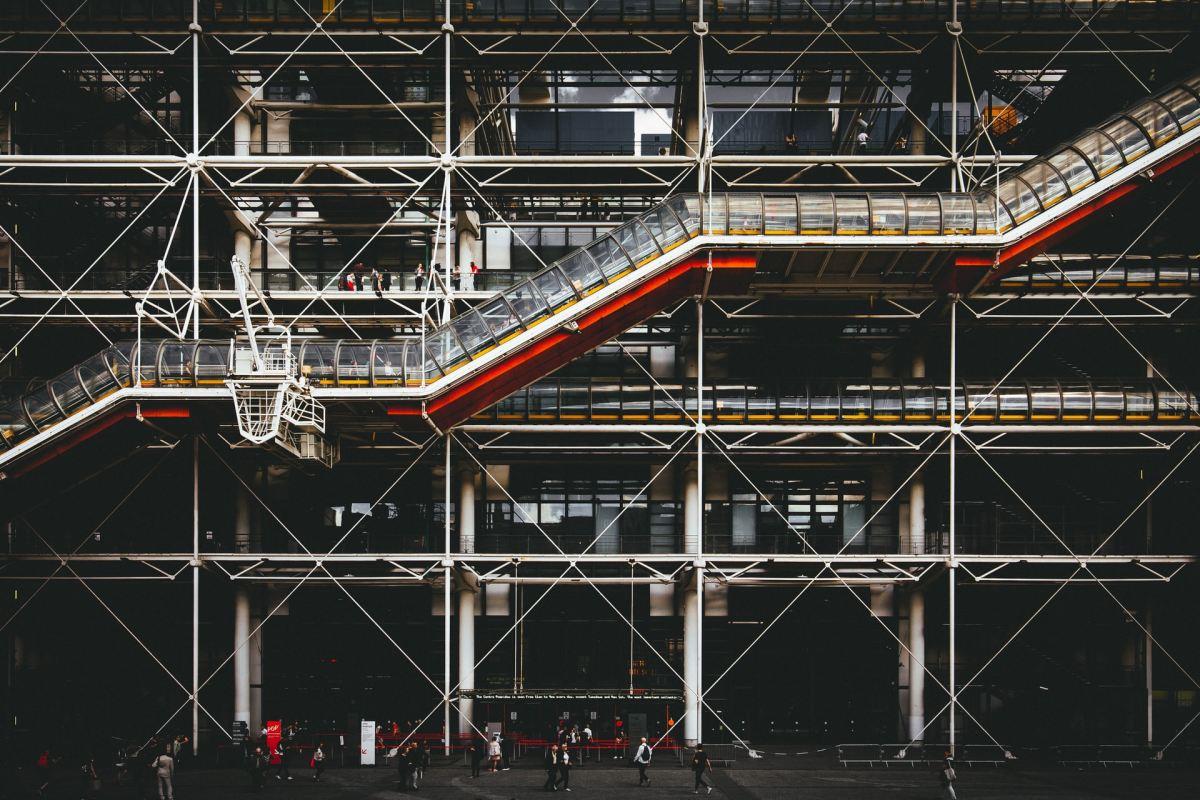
{"x": 497, "y": 751}
{"x": 412, "y": 759}
{"x": 462, "y": 277}
{"x": 260, "y": 758}
{"x": 358, "y": 279}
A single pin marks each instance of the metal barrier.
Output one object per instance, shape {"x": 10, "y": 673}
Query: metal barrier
{"x": 1106, "y": 756}
{"x": 920, "y": 755}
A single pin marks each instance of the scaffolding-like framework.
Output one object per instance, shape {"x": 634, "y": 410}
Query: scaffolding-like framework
{"x": 249, "y": 183}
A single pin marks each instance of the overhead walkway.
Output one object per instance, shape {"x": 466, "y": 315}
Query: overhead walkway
{"x": 690, "y": 244}
{"x": 845, "y": 401}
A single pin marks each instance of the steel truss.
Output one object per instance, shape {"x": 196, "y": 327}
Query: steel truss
{"x": 244, "y": 185}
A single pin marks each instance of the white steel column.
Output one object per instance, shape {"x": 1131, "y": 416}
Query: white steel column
{"x": 916, "y": 487}
{"x": 691, "y": 659}
{"x": 446, "y": 576}
{"x": 916, "y": 515}
{"x": 955, "y": 29}
{"x": 193, "y": 162}
{"x": 953, "y": 489}
{"x": 255, "y": 650}
{"x": 466, "y": 604}
{"x": 693, "y": 598}
{"x": 242, "y": 134}
{"x": 195, "y": 595}
{"x": 1149, "y": 645}
{"x": 241, "y": 658}
{"x": 916, "y": 661}
{"x": 241, "y": 614}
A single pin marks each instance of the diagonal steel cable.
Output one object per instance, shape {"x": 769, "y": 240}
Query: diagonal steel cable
{"x": 1083, "y": 563}
{"x": 1063, "y": 584}
{"x": 153, "y": 118}
{"x": 61, "y": 24}
{"x": 317, "y": 26}
{"x": 620, "y": 74}
{"x": 828, "y": 26}
{"x": 320, "y": 27}
{"x": 970, "y": 411}
{"x": 573, "y": 565}
{"x": 1102, "y": 6}
{"x": 92, "y": 530}
{"x": 880, "y": 80}
{"x": 532, "y": 70}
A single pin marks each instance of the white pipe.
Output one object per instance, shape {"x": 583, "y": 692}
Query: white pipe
{"x": 241, "y": 656}
{"x": 916, "y": 515}
{"x": 916, "y": 661}
{"x": 691, "y": 650}
{"x": 195, "y": 594}
{"x": 466, "y": 659}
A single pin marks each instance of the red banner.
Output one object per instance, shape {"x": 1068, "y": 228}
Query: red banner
{"x": 274, "y": 733}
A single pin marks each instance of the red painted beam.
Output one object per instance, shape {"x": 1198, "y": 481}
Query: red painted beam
{"x": 730, "y": 273}
{"x": 98, "y": 426}
{"x": 970, "y": 268}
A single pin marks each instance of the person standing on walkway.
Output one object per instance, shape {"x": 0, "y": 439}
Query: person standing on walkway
{"x": 281, "y": 752}
{"x": 586, "y": 741}
{"x": 551, "y": 765}
{"x": 700, "y": 765}
{"x": 494, "y": 753}
{"x": 642, "y": 759}
{"x": 257, "y": 767}
{"x": 564, "y": 768}
{"x": 318, "y": 762}
{"x": 164, "y": 776}
{"x": 949, "y": 777}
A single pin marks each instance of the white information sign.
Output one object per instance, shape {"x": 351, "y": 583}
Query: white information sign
{"x": 366, "y": 747}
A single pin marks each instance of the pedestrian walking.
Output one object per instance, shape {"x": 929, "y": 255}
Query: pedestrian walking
{"x": 475, "y": 754}
{"x": 642, "y": 759}
{"x": 505, "y": 752}
{"x": 43, "y": 771}
{"x": 421, "y": 763}
{"x": 494, "y": 753}
{"x": 256, "y": 765}
{"x": 948, "y": 777}
{"x": 700, "y": 765}
{"x": 586, "y": 741}
{"x": 164, "y": 775}
{"x": 89, "y": 779}
{"x": 405, "y": 767}
{"x": 282, "y": 770}
{"x": 564, "y": 768}
{"x": 551, "y": 766}
{"x": 318, "y": 762}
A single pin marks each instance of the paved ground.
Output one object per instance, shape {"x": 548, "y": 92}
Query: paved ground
{"x": 761, "y": 783}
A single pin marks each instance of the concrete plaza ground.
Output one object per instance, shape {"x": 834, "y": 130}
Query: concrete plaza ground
{"x": 758, "y": 782}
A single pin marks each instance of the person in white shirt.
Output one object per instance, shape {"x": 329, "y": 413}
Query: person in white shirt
{"x": 642, "y": 759}
{"x": 164, "y": 772}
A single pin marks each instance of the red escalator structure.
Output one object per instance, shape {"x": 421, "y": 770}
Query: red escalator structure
{"x": 688, "y": 245}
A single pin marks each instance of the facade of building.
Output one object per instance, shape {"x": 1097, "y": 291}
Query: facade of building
{"x": 752, "y": 372}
